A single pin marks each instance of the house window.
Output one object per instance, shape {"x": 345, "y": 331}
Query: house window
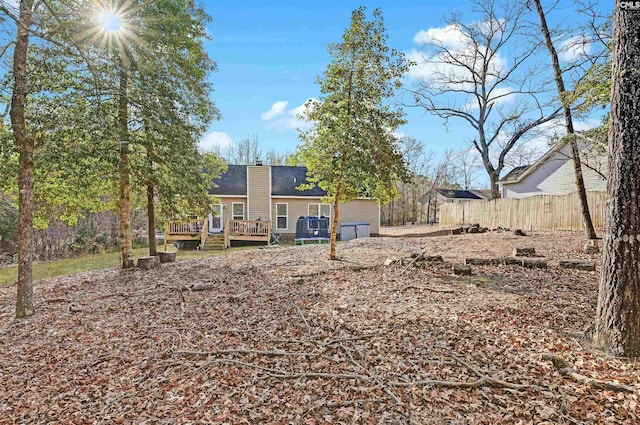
{"x": 237, "y": 210}
{"x": 320, "y": 210}
{"x": 282, "y": 214}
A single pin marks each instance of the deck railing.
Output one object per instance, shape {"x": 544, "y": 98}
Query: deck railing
{"x": 248, "y": 230}
{"x": 185, "y": 227}
{"x": 249, "y": 227}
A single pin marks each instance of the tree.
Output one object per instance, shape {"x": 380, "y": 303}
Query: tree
{"x": 247, "y": 152}
{"x": 26, "y": 146}
{"x": 470, "y": 79}
{"x": 351, "y": 151}
{"x": 617, "y": 326}
{"x": 568, "y": 121}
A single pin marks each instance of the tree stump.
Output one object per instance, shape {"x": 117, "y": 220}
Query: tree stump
{"x": 462, "y": 269}
{"x": 167, "y": 257}
{"x": 524, "y": 252}
{"x": 534, "y": 263}
{"x": 578, "y": 265}
{"x": 590, "y": 249}
{"x": 148, "y": 263}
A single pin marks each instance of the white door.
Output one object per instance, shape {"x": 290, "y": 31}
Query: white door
{"x": 215, "y": 219}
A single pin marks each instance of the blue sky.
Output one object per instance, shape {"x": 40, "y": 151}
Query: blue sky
{"x": 269, "y": 55}
{"x": 269, "y": 52}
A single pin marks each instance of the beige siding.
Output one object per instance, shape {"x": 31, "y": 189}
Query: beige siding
{"x": 258, "y": 192}
{"x": 356, "y": 211}
{"x": 227, "y": 207}
{"x": 361, "y": 210}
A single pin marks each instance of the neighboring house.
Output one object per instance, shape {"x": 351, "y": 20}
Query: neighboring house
{"x": 553, "y": 174}
{"x": 252, "y": 192}
{"x": 432, "y": 200}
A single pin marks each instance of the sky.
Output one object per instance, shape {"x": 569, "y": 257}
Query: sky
{"x": 269, "y": 55}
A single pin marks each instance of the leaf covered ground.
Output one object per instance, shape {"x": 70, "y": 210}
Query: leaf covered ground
{"x": 283, "y": 335}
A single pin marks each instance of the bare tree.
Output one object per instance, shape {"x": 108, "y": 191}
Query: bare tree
{"x": 466, "y": 164}
{"x": 247, "y": 152}
{"x": 617, "y": 327}
{"x": 568, "y": 120}
{"x": 484, "y": 73}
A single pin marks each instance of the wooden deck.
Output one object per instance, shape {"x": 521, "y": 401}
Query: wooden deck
{"x": 235, "y": 230}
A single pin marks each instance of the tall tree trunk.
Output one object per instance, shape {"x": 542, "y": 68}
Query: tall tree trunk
{"x": 126, "y": 243}
{"x": 151, "y": 219}
{"x": 494, "y": 176}
{"x": 25, "y": 143}
{"x": 334, "y": 227}
{"x": 568, "y": 120}
{"x": 617, "y": 327}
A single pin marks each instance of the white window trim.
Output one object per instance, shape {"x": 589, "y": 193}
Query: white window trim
{"x": 320, "y": 204}
{"x": 233, "y": 216}
{"x": 285, "y": 216}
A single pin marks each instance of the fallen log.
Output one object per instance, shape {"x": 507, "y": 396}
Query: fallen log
{"x": 534, "y": 263}
{"x": 578, "y": 265}
{"x": 479, "y": 261}
{"x": 524, "y": 252}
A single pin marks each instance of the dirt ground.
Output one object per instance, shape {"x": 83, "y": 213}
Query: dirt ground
{"x": 286, "y": 336}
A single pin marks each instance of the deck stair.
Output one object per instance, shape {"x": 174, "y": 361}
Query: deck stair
{"x": 213, "y": 242}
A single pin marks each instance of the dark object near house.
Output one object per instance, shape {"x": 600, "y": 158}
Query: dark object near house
{"x": 312, "y": 229}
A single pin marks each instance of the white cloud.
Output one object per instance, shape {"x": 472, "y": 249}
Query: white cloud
{"x": 573, "y": 48}
{"x": 450, "y": 36}
{"x": 277, "y": 109}
{"x": 291, "y": 119}
{"x": 215, "y": 141}
{"x": 443, "y": 46}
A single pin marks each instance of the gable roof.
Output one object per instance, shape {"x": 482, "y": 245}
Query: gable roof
{"x": 285, "y": 179}
{"x": 284, "y": 182}
{"x": 231, "y": 182}
{"x": 458, "y": 194}
{"x": 515, "y": 173}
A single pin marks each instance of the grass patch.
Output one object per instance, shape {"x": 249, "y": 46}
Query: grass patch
{"x": 47, "y": 269}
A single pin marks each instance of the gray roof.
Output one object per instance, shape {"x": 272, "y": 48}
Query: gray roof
{"x": 285, "y": 179}
{"x": 284, "y": 182}
{"x": 458, "y": 194}
{"x": 231, "y": 182}
{"x": 515, "y": 173}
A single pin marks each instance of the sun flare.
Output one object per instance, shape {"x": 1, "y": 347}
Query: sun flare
{"x": 110, "y": 21}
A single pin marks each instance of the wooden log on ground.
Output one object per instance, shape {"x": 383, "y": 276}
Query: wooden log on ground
{"x": 519, "y": 232}
{"x": 148, "y": 263}
{"x": 473, "y": 230}
{"x": 462, "y": 269}
{"x": 534, "y": 263}
{"x": 432, "y": 258}
{"x": 456, "y": 231}
{"x": 524, "y": 252}
{"x": 508, "y": 261}
{"x": 479, "y": 261}
{"x": 167, "y": 257}
{"x": 578, "y": 265}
